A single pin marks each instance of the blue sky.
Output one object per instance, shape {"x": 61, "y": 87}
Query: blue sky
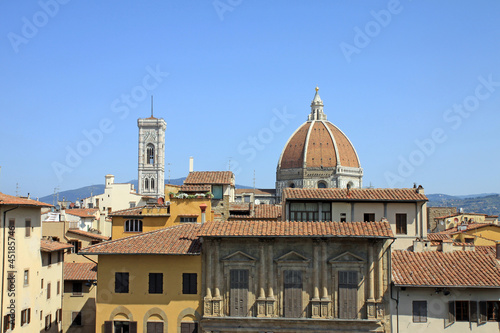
{"x": 415, "y": 85}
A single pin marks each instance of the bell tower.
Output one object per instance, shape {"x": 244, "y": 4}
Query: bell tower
{"x": 151, "y": 156}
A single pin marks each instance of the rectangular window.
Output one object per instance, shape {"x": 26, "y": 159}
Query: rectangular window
{"x": 292, "y": 294}
{"x": 8, "y": 323}
{"x": 238, "y": 294}
{"x": 58, "y": 287}
{"x": 326, "y": 211}
{"x": 419, "y": 311}
{"x": 131, "y": 204}
{"x": 348, "y": 294}
{"x": 48, "y": 322}
{"x": 25, "y": 317}
{"x": 48, "y": 290}
{"x": 77, "y": 288}
{"x": 155, "y": 283}
{"x": 304, "y": 211}
{"x": 401, "y": 224}
{"x": 369, "y": 217}
{"x": 27, "y": 224}
{"x": 343, "y": 217}
{"x": 121, "y": 283}
{"x": 76, "y": 246}
{"x": 49, "y": 258}
{"x": 493, "y": 311}
{"x": 154, "y": 327}
{"x": 246, "y": 198}
{"x": 189, "y": 283}
{"x": 461, "y": 310}
{"x": 26, "y": 277}
{"x": 189, "y": 327}
{"x": 217, "y": 192}
{"x": 12, "y": 224}
{"x": 188, "y": 219}
{"x": 133, "y": 226}
{"x": 76, "y": 319}
{"x": 41, "y": 283}
{"x": 59, "y": 314}
{"x": 59, "y": 254}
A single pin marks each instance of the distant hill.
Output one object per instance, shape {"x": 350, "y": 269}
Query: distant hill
{"x": 85, "y": 192}
{"x": 480, "y": 203}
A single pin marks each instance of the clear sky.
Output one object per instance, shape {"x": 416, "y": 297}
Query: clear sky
{"x": 415, "y": 85}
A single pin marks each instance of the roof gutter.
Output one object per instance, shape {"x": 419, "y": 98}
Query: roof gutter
{"x": 3, "y": 262}
{"x": 443, "y": 286}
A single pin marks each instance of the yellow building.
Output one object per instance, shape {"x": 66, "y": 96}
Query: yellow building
{"x": 181, "y": 209}
{"x": 450, "y": 221}
{"x": 479, "y": 234}
{"x": 150, "y": 282}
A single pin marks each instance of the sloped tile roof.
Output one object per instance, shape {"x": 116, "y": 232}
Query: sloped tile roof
{"x": 209, "y": 177}
{"x": 438, "y": 236}
{"x": 88, "y": 234}
{"x": 6, "y": 199}
{"x": 80, "y": 271}
{"x": 180, "y": 239}
{"x": 239, "y": 206}
{"x": 195, "y": 188}
{"x": 82, "y": 212}
{"x": 471, "y": 226}
{"x": 257, "y": 191}
{"x": 51, "y": 246}
{"x": 477, "y": 268}
{"x": 361, "y": 194}
{"x": 135, "y": 211}
{"x": 295, "y": 229}
{"x": 265, "y": 211}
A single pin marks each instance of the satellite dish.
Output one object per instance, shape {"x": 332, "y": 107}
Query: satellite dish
{"x": 257, "y": 201}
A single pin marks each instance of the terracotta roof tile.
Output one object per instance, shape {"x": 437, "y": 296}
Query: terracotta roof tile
{"x": 264, "y": 211}
{"x": 257, "y": 191}
{"x": 471, "y": 226}
{"x": 82, "y": 212}
{"x": 438, "y": 236}
{"x": 195, "y": 188}
{"x": 364, "y": 194}
{"x": 239, "y": 206}
{"x": 51, "y": 246}
{"x": 88, "y": 234}
{"x": 295, "y": 229}
{"x": 209, "y": 177}
{"x": 80, "y": 271}
{"x": 477, "y": 268}
{"x": 180, "y": 239}
{"x": 135, "y": 211}
{"x": 6, "y": 199}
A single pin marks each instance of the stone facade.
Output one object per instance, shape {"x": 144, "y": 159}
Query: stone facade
{"x": 151, "y": 157}
{"x": 246, "y": 283}
{"x": 434, "y": 212}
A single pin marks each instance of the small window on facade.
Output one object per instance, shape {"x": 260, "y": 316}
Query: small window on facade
{"x": 343, "y": 217}
{"x": 369, "y": 217}
{"x": 49, "y": 258}
{"x": 77, "y": 288}
{"x": 155, "y": 283}
{"x": 76, "y": 246}
{"x": 188, "y": 219}
{"x": 48, "y": 322}
{"x": 27, "y": 227}
{"x": 217, "y": 192}
{"x": 189, "y": 327}
{"x": 321, "y": 185}
{"x": 461, "y": 310}
{"x": 131, "y": 204}
{"x": 76, "y": 319}
{"x": 493, "y": 311}
{"x": 8, "y": 322}
{"x": 133, "y": 226}
{"x": 25, "y": 317}
{"x": 48, "y": 290}
{"x": 146, "y": 184}
{"x": 121, "y": 283}
{"x": 152, "y": 184}
{"x": 401, "y": 224}
{"x": 291, "y": 185}
{"x": 58, "y": 291}
{"x": 150, "y": 153}
{"x": 246, "y": 198}
{"x": 189, "y": 283}
{"x": 26, "y": 277}
{"x": 419, "y": 311}
{"x": 41, "y": 283}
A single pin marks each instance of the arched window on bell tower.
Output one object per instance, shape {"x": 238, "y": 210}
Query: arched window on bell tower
{"x": 152, "y": 184}
{"x": 146, "y": 184}
{"x": 150, "y": 154}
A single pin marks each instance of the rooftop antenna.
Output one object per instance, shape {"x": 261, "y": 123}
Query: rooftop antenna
{"x": 229, "y": 163}
{"x": 169, "y": 164}
{"x": 253, "y": 208}
{"x": 151, "y": 106}
{"x": 17, "y": 189}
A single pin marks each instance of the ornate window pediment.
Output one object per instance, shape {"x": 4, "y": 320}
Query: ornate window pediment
{"x": 293, "y": 257}
{"x": 347, "y": 258}
{"x": 239, "y": 256}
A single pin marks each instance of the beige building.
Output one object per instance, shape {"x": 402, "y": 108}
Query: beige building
{"x": 80, "y": 284}
{"x": 446, "y": 289}
{"x": 32, "y": 269}
{"x": 404, "y": 209}
{"x": 267, "y": 276}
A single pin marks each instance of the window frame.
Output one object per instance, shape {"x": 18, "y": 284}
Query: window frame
{"x": 133, "y": 225}
{"x": 400, "y": 225}
{"x": 189, "y": 283}
{"x": 27, "y": 228}
{"x": 188, "y": 219}
{"x": 367, "y": 217}
{"x": 75, "y": 315}
{"x": 48, "y": 289}
{"x": 26, "y": 277}
{"x": 25, "y": 317}
{"x": 75, "y": 291}
{"x": 464, "y": 315}
{"x": 419, "y": 311}
{"x": 155, "y": 283}
{"x": 122, "y": 283}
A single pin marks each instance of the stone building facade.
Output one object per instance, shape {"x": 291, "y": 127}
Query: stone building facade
{"x": 318, "y": 155}
{"x": 268, "y": 276}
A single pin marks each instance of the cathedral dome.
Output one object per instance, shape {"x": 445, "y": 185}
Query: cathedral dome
{"x": 318, "y": 154}
{"x": 318, "y": 144}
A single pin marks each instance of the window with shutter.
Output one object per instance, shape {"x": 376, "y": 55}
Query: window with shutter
{"x": 108, "y": 327}
{"x": 155, "y": 283}
{"x": 189, "y": 283}
{"x": 238, "y": 297}
{"x": 121, "y": 283}
{"x": 401, "y": 224}
{"x": 48, "y": 290}
{"x": 348, "y": 295}
{"x": 419, "y": 311}
{"x": 461, "y": 310}
{"x": 154, "y": 327}
{"x": 450, "y": 318}
{"x": 189, "y": 327}
{"x": 292, "y": 297}
{"x": 492, "y": 309}
{"x": 77, "y": 289}
{"x": 473, "y": 311}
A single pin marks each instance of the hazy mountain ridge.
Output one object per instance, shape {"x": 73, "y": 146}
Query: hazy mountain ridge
{"x": 479, "y": 203}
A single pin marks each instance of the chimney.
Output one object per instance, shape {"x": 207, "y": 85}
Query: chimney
{"x": 420, "y": 189}
{"x": 203, "y": 207}
{"x": 447, "y": 246}
{"x": 497, "y": 248}
{"x": 191, "y": 164}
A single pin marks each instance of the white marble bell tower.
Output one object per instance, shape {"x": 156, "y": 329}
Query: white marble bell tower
{"x": 151, "y": 156}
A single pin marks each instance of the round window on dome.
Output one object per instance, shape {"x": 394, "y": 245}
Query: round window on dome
{"x": 321, "y": 184}
{"x": 291, "y": 185}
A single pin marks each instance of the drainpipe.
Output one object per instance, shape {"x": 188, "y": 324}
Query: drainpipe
{"x": 3, "y": 263}
{"x": 203, "y": 207}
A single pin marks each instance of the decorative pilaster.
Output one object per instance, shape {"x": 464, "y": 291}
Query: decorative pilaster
{"x": 325, "y": 297}
{"x": 315, "y": 301}
{"x": 261, "y": 300}
{"x": 217, "y": 299}
{"x": 370, "y": 302}
{"x": 271, "y": 301}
